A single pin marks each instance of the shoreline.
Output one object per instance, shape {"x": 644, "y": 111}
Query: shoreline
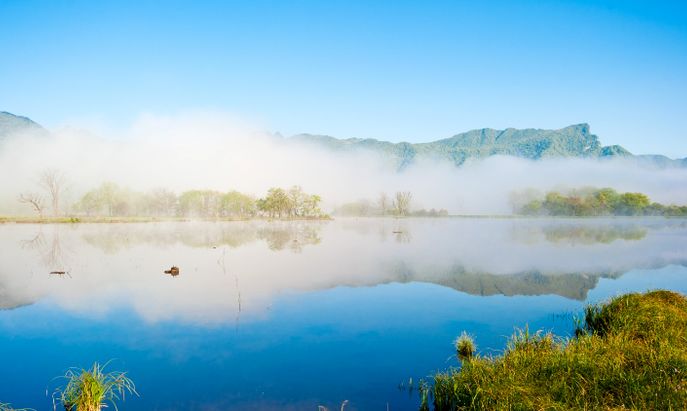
{"x": 128, "y": 220}
{"x": 121, "y": 220}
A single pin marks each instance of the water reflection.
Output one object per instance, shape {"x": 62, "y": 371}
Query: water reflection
{"x": 50, "y": 251}
{"x": 593, "y": 235}
{"x": 278, "y": 235}
{"x": 303, "y": 314}
{"x": 240, "y": 267}
{"x": 570, "y": 285}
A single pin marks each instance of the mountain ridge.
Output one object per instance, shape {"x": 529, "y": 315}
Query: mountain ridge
{"x": 574, "y": 141}
{"x": 531, "y": 143}
{"x": 14, "y": 124}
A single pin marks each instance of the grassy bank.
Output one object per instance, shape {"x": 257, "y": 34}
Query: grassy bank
{"x": 628, "y": 353}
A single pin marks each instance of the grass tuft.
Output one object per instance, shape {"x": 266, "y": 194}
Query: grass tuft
{"x": 465, "y": 347}
{"x": 628, "y": 353}
{"x": 92, "y": 389}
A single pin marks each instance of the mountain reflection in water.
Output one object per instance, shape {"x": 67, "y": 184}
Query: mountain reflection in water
{"x": 110, "y": 265}
{"x": 293, "y": 315}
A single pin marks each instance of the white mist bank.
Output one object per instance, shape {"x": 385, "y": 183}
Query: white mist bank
{"x": 215, "y": 151}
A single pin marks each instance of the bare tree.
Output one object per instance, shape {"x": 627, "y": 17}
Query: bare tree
{"x": 34, "y": 200}
{"x": 401, "y": 203}
{"x": 383, "y": 203}
{"x": 53, "y": 181}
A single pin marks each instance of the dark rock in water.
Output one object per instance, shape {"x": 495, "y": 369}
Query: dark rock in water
{"x": 174, "y": 271}
{"x": 63, "y": 274}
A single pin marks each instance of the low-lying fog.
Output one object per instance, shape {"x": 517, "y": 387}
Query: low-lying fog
{"x": 215, "y": 151}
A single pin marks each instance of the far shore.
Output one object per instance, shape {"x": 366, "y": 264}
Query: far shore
{"x": 118, "y": 220}
{"x": 113, "y": 220}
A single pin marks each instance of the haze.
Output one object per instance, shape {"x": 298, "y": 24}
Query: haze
{"x": 213, "y": 150}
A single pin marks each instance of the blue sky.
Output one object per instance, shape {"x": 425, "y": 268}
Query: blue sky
{"x": 412, "y": 71}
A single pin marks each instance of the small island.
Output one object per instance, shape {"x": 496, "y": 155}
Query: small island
{"x": 594, "y": 202}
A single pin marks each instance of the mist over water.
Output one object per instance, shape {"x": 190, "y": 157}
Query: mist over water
{"x": 204, "y": 150}
{"x": 233, "y": 267}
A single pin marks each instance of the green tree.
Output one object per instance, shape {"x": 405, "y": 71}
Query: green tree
{"x": 161, "y": 202}
{"x": 235, "y": 204}
{"x": 311, "y": 206}
{"x": 102, "y": 200}
{"x": 200, "y": 203}
{"x": 633, "y": 203}
{"x": 607, "y": 199}
{"x": 276, "y": 204}
{"x": 556, "y": 204}
{"x": 296, "y": 199}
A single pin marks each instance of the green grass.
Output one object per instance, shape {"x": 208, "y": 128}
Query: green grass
{"x": 628, "y": 353}
{"x": 93, "y": 389}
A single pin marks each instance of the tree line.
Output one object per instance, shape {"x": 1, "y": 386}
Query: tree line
{"x": 112, "y": 200}
{"x": 597, "y": 202}
{"x": 398, "y": 205}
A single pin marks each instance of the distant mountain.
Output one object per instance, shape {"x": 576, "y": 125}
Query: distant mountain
{"x": 573, "y": 141}
{"x": 658, "y": 160}
{"x": 11, "y": 124}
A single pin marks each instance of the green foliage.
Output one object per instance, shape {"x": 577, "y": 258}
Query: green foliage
{"x": 276, "y": 203}
{"x": 592, "y": 202}
{"x": 93, "y": 389}
{"x": 293, "y": 203}
{"x": 632, "y": 204}
{"x": 630, "y": 353}
{"x": 111, "y": 200}
{"x": 235, "y": 204}
{"x": 200, "y": 203}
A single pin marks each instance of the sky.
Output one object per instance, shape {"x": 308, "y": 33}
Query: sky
{"x": 398, "y": 71}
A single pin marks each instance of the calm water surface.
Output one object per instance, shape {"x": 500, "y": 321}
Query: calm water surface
{"x": 294, "y": 315}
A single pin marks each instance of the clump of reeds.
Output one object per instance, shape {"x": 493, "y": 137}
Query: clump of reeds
{"x": 465, "y": 347}
{"x": 628, "y": 353}
{"x": 424, "y": 395}
{"x": 93, "y": 389}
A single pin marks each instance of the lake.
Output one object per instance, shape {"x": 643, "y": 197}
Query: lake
{"x": 297, "y": 315}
